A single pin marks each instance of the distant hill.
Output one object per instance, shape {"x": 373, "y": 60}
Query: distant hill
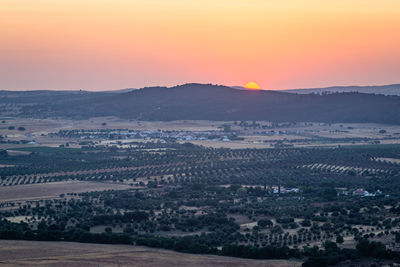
{"x": 393, "y": 89}
{"x": 120, "y": 90}
{"x": 208, "y": 102}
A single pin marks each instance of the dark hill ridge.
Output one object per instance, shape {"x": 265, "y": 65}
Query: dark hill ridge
{"x": 392, "y": 89}
{"x": 212, "y": 102}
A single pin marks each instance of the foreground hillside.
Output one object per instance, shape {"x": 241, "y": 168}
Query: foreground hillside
{"x": 31, "y": 253}
{"x": 207, "y": 102}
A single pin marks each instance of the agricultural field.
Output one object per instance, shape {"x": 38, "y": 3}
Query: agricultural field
{"x": 79, "y": 254}
{"x": 21, "y": 132}
{"x": 272, "y": 203}
{"x": 51, "y": 190}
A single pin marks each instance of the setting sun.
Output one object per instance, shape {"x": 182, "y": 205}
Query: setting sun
{"x": 252, "y": 85}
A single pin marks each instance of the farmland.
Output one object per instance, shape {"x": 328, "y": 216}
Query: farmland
{"x": 78, "y": 254}
{"x": 217, "y": 134}
{"x": 159, "y": 188}
{"x": 53, "y": 190}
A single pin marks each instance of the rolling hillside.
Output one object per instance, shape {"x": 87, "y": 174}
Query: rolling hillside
{"x": 210, "y": 102}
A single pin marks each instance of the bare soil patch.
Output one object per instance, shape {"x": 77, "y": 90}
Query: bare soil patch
{"x": 32, "y": 253}
{"x": 51, "y": 190}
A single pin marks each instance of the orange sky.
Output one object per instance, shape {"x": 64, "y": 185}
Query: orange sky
{"x": 114, "y": 44}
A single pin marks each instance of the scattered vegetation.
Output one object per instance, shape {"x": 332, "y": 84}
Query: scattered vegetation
{"x": 251, "y": 203}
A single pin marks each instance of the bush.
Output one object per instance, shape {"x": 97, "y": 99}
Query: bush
{"x": 372, "y": 249}
{"x": 263, "y": 223}
{"x": 305, "y": 223}
{"x": 339, "y": 239}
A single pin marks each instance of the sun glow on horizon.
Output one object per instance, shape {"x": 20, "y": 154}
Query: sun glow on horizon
{"x": 252, "y": 85}
{"x": 100, "y": 44}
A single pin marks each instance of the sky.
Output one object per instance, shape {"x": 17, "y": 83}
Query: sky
{"x": 279, "y": 44}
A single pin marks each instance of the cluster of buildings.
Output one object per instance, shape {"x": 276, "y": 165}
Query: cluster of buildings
{"x": 287, "y": 190}
{"x": 360, "y": 192}
{"x": 145, "y": 134}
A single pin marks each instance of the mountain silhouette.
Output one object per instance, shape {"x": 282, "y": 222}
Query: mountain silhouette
{"x": 209, "y": 102}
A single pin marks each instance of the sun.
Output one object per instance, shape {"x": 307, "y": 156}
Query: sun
{"x": 252, "y": 85}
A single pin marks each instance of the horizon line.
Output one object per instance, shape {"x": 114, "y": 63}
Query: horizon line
{"x": 232, "y": 86}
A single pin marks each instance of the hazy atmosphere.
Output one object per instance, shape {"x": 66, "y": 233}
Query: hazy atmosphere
{"x": 285, "y": 44}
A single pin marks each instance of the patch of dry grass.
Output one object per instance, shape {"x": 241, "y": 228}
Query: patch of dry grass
{"x": 52, "y": 190}
{"x": 32, "y": 253}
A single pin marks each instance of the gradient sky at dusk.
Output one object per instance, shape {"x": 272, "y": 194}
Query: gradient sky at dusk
{"x": 280, "y": 44}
